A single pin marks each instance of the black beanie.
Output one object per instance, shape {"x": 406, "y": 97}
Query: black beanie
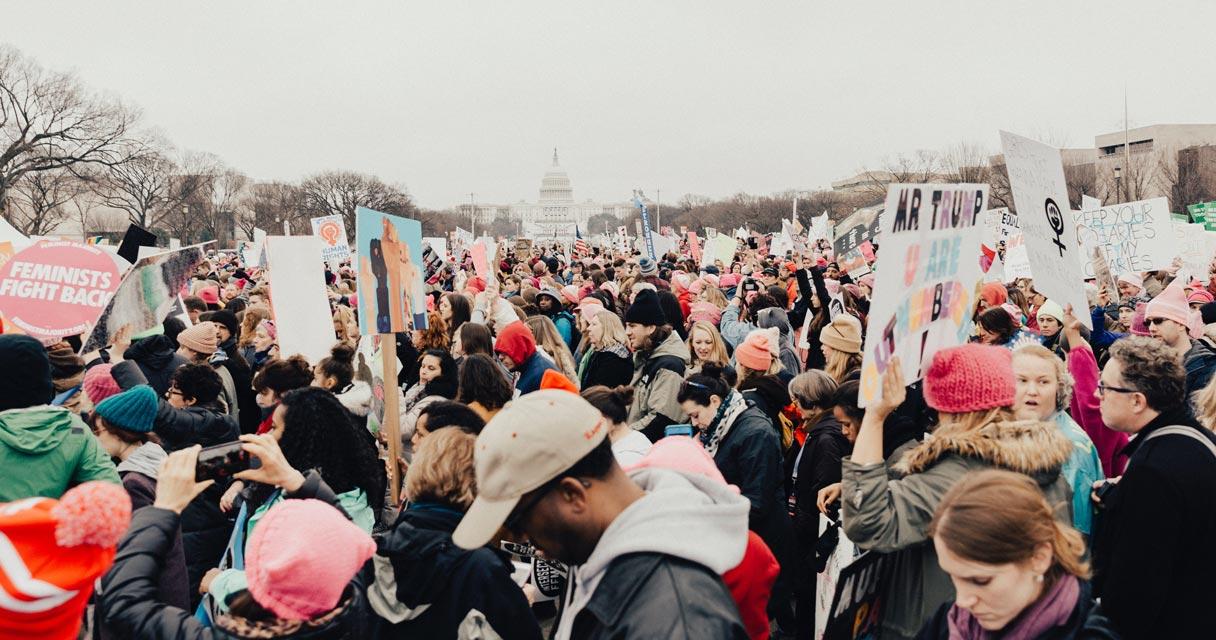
{"x": 25, "y": 378}
{"x": 228, "y": 319}
{"x": 1208, "y": 312}
{"x": 646, "y": 309}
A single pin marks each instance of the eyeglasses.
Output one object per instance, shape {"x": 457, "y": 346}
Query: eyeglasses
{"x": 1156, "y": 320}
{"x": 1102, "y": 389}
{"x": 173, "y": 392}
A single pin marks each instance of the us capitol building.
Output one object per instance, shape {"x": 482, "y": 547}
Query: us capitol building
{"x": 554, "y": 213}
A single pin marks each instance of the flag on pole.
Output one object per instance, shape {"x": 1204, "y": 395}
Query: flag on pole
{"x": 580, "y": 245}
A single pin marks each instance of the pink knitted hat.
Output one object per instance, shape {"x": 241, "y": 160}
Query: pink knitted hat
{"x": 570, "y": 293}
{"x": 99, "y": 384}
{"x": 704, "y": 311}
{"x": 680, "y": 453}
{"x": 1139, "y": 326}
{"x": 301, "y": 556}
{"x": 756, "y": 350}
{"x": 972, "y": 377}
{"x": 1170, "y": 304}
{"x": 728, "y": 280}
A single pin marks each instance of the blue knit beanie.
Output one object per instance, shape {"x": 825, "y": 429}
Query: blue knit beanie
{"x": 131, "y": 410}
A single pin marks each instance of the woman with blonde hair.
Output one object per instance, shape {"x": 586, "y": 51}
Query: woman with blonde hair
{"x": 252, "y": 317}
{"x": 345, "y": 326}
{"x": 841, "y": 340}
{"x": 714, "y": 296}
{"x": 972, "y": 389}
{"x": 705, "y": 344}
{"x": 427, "y": 587}
{"x": 1043, "y": 391}
{"x": 551, "y": 343}
{"x": 607, "y": 360}
{"x": 1017, "y": 571}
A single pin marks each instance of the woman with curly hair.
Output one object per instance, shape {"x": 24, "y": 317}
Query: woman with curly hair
{"x": 246, "y": 343}
{"x": 434, "y": 336}
{"x": 314, "y": 432}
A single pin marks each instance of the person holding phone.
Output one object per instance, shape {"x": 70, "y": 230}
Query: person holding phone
{"x": 292, "y": 586}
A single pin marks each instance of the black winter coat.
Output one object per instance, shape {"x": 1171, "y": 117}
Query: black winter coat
{"x": 653, "y": 595}
{"x": 181, "y": 428}
{"x": 242, "y": 379}
{"x": 607, "y": 368}
{"x": 1153, "y": 553}
{"x": 1086, "y": 623}
{"x": 128, "y": 603}
{"x": 749, "y": 457}
{"x": 430, "y": 585}
{"x": 157, "y": 359}
{"x": 818, "y": 467}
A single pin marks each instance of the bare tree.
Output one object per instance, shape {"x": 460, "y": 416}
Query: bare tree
{"x": 188, "y": 214}
{"x": 966, "y": 162}
{"x": 50, "y": 122}
{"x": 39, "y": 199}
{"x": 341, "y": 192}
{"x": 919, "y": 166}
{"x": 140, "y": 187}
{"x": 266, "y": 205}
{"x": 1187, "y": 181}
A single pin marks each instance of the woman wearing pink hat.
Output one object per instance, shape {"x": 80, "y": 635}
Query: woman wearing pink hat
{"x": 972, "y": 389}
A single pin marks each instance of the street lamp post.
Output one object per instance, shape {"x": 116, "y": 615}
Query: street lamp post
{"x": 1118, "y": 184}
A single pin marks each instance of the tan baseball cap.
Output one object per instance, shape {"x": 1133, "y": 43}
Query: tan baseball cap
{"x": 528, "y": 443}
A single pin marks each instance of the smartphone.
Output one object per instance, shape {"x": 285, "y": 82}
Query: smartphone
{"x": 678, "y": 430}
{"x": 221, "y": 462}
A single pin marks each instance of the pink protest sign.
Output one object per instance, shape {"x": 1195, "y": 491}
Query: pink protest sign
{"x": 56, "y": 288}
{"x": 480, "y": 264}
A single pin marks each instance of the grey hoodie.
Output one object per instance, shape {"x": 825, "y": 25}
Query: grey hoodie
{"x": 675, "y": 504}
{"x": 146, "y": 460}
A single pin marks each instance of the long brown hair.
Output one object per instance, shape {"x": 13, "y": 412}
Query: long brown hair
{"x": 252, "y": 317}
{"x": 999, "y": 517}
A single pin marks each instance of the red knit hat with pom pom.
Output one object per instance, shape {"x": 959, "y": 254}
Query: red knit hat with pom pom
{"x": 61, "y": 547}
{"x": 972, "y": 377}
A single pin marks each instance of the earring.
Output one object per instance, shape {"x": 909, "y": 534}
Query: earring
{"x": 1038, "y": 577}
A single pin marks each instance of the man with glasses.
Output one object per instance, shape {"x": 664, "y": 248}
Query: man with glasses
{"x": 1153, "y": 553}
{"x": 646, "y": 549}
{"x": 1169, "y": 318}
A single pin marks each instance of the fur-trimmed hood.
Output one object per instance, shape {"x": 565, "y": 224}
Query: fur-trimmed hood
{"x": 1034, "y": 448}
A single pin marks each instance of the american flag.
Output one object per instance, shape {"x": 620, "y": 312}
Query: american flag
{"x": 580, "y": 245}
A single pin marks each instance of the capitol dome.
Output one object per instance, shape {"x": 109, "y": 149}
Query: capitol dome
{"x": 555, "y": 186}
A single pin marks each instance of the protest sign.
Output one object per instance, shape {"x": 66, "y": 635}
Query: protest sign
{"x": 6, "y": 251}
{"x": 332, "y": 230}
{"x": 1191, "y": 246}
{"x": 856, "y": 609}
{"x": 694, "y": 246}
{"x": 922, "y": 301}
{"x": 860, "y": 226}
{"x": 135, "y": 237}
{"x": 1017, "y": 261}
{"x": 461, "y": 241}
{"x": 390, "y": 272}
{"x": 300, "y": 302}
{"x": 146, "y": 295}
{"x": 1089, "y": 203}
{"x": 720, "y": 248}
{"x": 1103, "y": 276}
{"x": 819, "y": 227}
{"x": 440, "y": 245}
{"x": 853, "y": 263}
{"x": 825, "y": 585}
{"x": 1036, "y": 177}
{"x": 10, "y": 234}
{"x": 53, "y": 289}
{"x": 1134, "y": 236}
{"x": 481, "y": 264}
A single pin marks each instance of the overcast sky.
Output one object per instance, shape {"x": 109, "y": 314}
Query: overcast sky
{"x": 447, "y": 98}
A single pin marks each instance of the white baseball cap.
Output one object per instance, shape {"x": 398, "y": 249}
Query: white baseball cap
{"x": 530, "y": 442}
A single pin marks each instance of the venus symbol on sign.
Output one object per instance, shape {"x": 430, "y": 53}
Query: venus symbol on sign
{"x": 1055, "y": 220}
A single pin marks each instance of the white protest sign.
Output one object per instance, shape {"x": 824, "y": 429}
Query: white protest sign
{"x": 819, "y": 228}
{"x": 1089, "y": 203}
{"x": 438, "y": 245}
{"x": 925, "y": 285}
{"x": 1036, "y": 177}
{"x": 1134, "y": 236}
{"x": 1017, "y": 261}
{"x": 332, "y": 231}
{"x": 1192, "y": 247}
{"x": 300, "y": 302}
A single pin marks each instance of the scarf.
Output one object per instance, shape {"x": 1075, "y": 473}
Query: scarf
{"x": 1049, "y": 611}
{"x": 728, "y": 411}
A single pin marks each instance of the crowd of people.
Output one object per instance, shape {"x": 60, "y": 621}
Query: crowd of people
{"x": 614, "y": 446}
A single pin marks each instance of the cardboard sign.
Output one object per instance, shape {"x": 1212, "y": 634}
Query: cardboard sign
{"x": 1134, "y": 236}
{"x": 1036, "y": 177}
{"x": 54, "y": 289}
{"x": 332, "y": 230}
{"x": 924, "y": 295}
{"x": 856, "y": 609}
{"x": 391, "y": 294}
{"x": 300, "y": 303}
{"x": 1190, "y": 243}
{"x": 146, "y": 295}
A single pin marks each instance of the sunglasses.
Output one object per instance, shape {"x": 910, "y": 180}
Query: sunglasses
{"x": 1156, "y": 320}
